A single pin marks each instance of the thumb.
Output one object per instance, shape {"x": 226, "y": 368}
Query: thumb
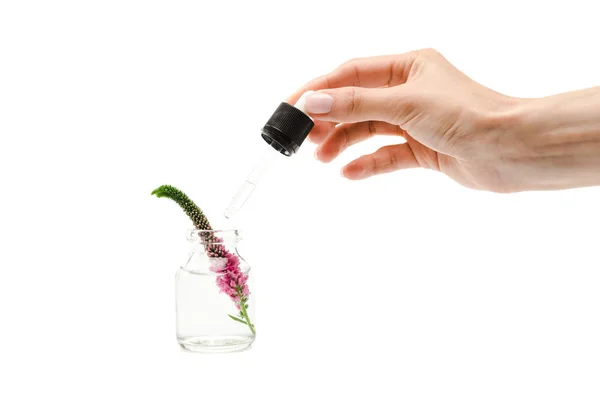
{"x": 355, "y": 104}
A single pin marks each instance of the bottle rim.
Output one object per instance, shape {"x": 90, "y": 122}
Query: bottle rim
{"x": 201, "y": 235}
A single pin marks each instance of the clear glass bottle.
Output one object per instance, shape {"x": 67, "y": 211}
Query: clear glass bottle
{"x": 215, "y": 298}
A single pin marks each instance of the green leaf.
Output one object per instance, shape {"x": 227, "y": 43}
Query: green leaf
{"x": 237, "y": 319}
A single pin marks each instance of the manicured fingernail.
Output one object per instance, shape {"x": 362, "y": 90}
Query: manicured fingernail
{"x": 316, "y": 153}
{"x": 318, "y": 103}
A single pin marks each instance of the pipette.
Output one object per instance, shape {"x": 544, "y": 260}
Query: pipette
{"x": 284, "y": 132}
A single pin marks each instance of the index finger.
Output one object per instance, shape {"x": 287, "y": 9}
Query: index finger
{"x": 370, "y": 72}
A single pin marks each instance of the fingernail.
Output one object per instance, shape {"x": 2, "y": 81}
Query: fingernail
{"x": 316, "y": 153}
{"x": 318, "y": 103}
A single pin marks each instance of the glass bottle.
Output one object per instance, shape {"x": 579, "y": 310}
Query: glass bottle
{"x": 214, "y": 295}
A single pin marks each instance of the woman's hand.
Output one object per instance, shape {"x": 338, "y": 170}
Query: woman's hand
{"x": 478, "y": 137}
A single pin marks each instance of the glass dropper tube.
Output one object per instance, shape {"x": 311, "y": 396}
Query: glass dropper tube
{"x": 246, "y": 188}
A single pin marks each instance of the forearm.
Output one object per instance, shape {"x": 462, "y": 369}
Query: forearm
{"x": 559, "y": 140}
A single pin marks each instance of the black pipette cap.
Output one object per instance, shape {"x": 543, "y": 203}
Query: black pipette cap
{"x": 286, "y": 129}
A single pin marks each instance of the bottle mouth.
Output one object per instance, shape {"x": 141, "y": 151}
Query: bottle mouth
{"x": 212, "y": 236}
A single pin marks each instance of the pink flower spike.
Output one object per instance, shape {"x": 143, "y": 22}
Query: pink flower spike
{"x": 231, "y": 280}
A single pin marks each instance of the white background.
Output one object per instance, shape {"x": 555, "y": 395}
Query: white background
{"x": 402, "y": 286}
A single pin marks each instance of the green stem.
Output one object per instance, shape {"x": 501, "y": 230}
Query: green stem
{"x": 246, "y": 317}
{"x": 245, "y": 312}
